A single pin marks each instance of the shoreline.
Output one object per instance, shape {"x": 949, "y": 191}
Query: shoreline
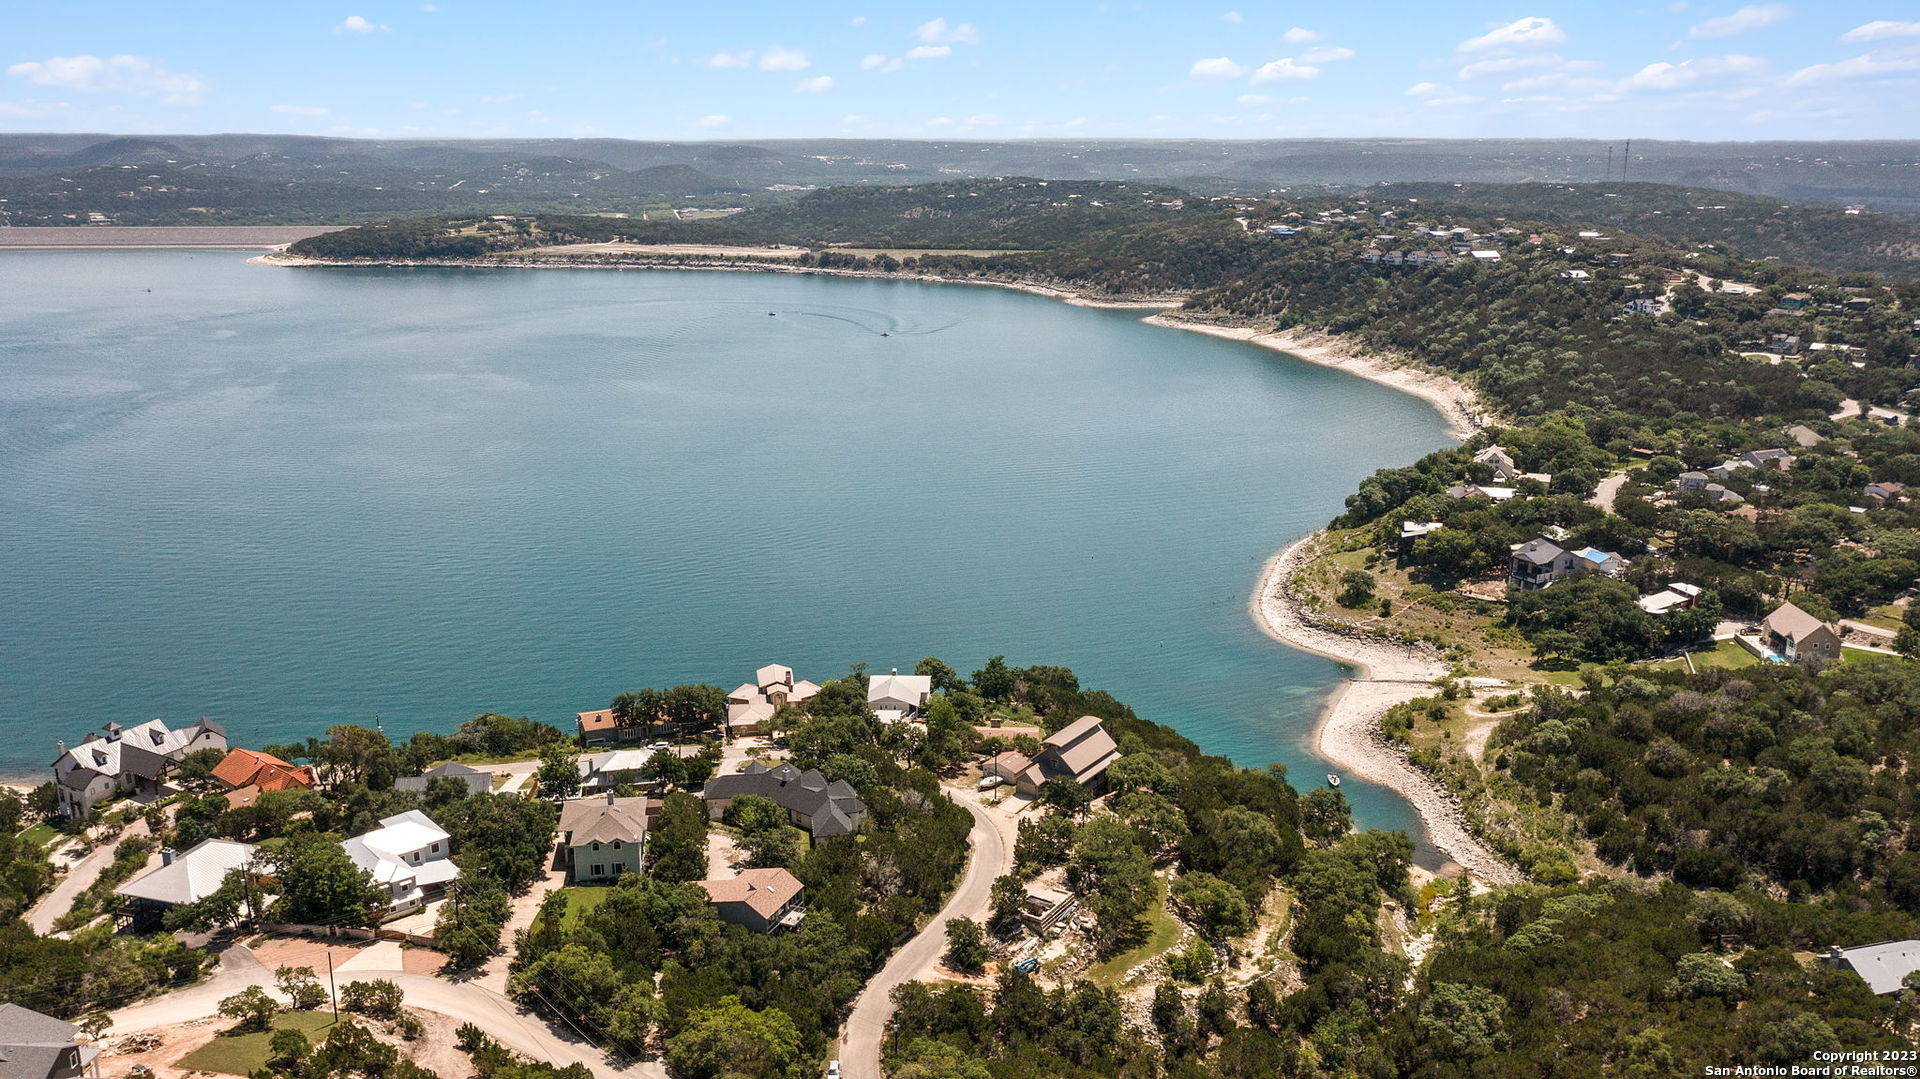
{"x": 1348, "y": 734}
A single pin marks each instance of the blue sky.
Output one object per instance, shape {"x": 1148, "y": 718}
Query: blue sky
{"x": 964, "y": 68}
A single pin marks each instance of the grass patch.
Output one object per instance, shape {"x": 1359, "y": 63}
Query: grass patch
{"x": 581, "y": 901}
{"x": 41, "y": 834}
{"x": 1726, "y": 655}
{"x": 241, "y": 1054}
{"x": 1162, "y": 932}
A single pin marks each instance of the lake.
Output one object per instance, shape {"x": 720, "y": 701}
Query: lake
{"x": 291, "y": 498}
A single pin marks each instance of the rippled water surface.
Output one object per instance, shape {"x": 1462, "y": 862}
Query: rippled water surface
{"x": 290, "y": 498}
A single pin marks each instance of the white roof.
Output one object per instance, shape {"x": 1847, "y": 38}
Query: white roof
{"x": 193, "y": 876}
{"x": 382, "y": 852}
{"x": 619, "y": 760}
{"x": 910, "y": 688}
{"x": 1661, "y": 602}
{"x": 1883, "y": 965}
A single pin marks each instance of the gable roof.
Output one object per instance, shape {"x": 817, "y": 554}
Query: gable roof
{"x": 603, "y": 820}
{"x": 31, "y": 1044}
{"x": 477, "y": 781}
{"x": 1882, "y": 965}
{"x": 601, "y": 720}
{"x": 253, "y": 768}
{"x": 1794, "y": 624}
{"x": 912, "y": 688}
{"x": 194, "y": 875}
{"x": 382, "y": 852}
{"x": 764, "y": 891}
{"x": 1082, "y": 750}
{"x": 1538, "y": 552}
{"x": 832, "y": 807}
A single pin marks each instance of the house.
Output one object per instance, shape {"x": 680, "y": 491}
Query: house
{"x": 1645, "y": 305}
{"x": 823, "y": 808}
{"x": 1795, "y": 635}
{"x": 1396, "y": 258}
{"x": 249, "y": 773}
{"x": 1594, "y": 560}
{"x": 1725, "y": 469}
{"x": 186, "y": 878}
{"x": 605, "y": 771}
{"x": 1784, "y": 344}
{"x": 1371, "y": 258}
{"x": 598, "y": 728}
{"x": 1675, "y": 597}
{"x": 1485, "y": 256}
{"x": 35, "y": 1046}
{"x": 1043, "y": 908}
{"x": 476, "y": 781}
{"x": 763, "y": 900}
{"x": 1691, "y": 481}
{"x": 604, "y": 837}
{"x": 1883, "y": 966}
{"x": 1081, "y": 751}
{"x": 409, "y": 857}
{"x": 1883, "y": 493}
{"x": 1413, "y": 531}
{"x": 1777, "y": 460}
{"x": 1496, "y": 458}
{"x": 1803, "y": 436}
{"x": 1618, "y": 258}
{"x": 1007, "y": 766}
{"x": 754, "y": 703}
{"x": 896, "y": 697}
{"x": 1538, "y": 563}
{"x": 1477, "y": 490}
{"x": 1795, "y": 301}
{"x": 1575, "y": 275}
{"x": 132, "y": 760}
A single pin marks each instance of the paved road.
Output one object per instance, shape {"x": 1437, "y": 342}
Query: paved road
{"x": 466, "y": 1002}
{"x": 1603, "y": 494}
{"x": 990, "y": 857}
{"x": 84, "y": 872}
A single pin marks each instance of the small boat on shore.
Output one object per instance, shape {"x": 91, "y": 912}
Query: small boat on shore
{"x": 1333, "y": 780}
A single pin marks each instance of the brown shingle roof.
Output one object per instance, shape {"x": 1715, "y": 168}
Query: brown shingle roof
{"x": 764, "y": 891}
{"x": 597, "y": 721}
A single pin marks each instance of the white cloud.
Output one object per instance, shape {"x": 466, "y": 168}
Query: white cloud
{"x": 1326, "y": 54}
{"x": 1462, "y": 99}
{"x": 817, "y": 85}
{"x": 940, "y": 121}
{"x": 1665, "y": 76}
{"x": 742, "y": 58}
{"x": 857, "y": 20}
{"x": 1300, "y": 35}
{"x": 871, "y": 61}
{"x": 1881, "y": 30}
{"x": 136, "y": 75}
{"x": 1509, "y": 64}
{"x": 929, "y": 52}
{"x": 34, "y": 108}
{"x": 938, "y": 32}
{"x": 299, "y": 110}
{"x": 776, "y": 58}
{"x": 1284, "y": 69}
{"x": 715, "y": 120}
{"x": 1751, "y": 17}
{"x": 1253, "y": 99}
{"x": 1532, "y": 32}
{"x": 984, "y": 119}
{"x": 1218, "y": 69}
{"x": 1233, "y": 17}
{"x": 358, "y": 24}
{"x": 1424, "y": 89}
{"x": 1859, "y": 67}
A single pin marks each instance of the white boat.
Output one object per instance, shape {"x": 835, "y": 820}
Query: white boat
{"x": 1333, "y": 780}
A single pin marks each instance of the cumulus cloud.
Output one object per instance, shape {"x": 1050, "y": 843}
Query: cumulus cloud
{"x": 1532, "y": 32}
{"x": 1233, "y": 17}
{"x": 299, "y": 110}
{"x": 1300, "y": 35}
{"x": 929, "y": 52}
{"x": 817, "y": 85}
{"x": 1462, "y": 99}
{"x": 358, "y": 24}
{"x": 857, "y": 20}
{"x": 1688, "y": 75}
{"x": 1751, "y": 17}
{"x": 1856, "y": 68}
{"x": 1285, "y": 69}
{"x": 1218, "y": 69}
{"x": 741, "y": 58}
{"x": 1424, "y": 89}
{"x": 1326, "y": 54}
{"x": 779, "y": 59}
{"x": 872, "y": 60}
{"x": 1882, "y": 30}
{"x": 122, "y": 74}
{"x": 938, "y": 32}
{"x": 1253, "y": 99}
{"x": 716, "y": 120}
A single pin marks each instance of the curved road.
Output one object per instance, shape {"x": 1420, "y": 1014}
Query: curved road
{"x": 866, "y": 1026}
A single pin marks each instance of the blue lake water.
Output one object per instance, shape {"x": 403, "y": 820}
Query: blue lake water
{"x": 291, "y": 498}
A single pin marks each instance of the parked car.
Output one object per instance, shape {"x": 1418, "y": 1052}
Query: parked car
{"x": 1027, "y": 966}
{"x": 659, "y": 747}
{"x": 833, "y": 1069}
{"x": 987, "y": 783}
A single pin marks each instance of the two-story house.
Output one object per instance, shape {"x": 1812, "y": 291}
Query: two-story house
{"x": 126, "y": 760}
{"x": 409, "y": 857}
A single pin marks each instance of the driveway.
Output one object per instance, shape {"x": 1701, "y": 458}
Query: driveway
{"x": 1603, "y": 494}
{"x": 991, "y": 856}
{"x": 83, "y": 873}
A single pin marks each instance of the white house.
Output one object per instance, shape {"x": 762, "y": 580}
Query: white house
{"x": 408, "y": 856}
{"x": 894, "y": 697}
{"x": 1884, "y": 966}
{"x": 130, "y": 760}
{"x": 754, "y": 703}
{"x": 188, "y": 877}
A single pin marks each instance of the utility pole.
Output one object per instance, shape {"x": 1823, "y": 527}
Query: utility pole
{"x": 332, "y": 994}
{"x": 1624, "y": 158}
{"x": 1609, "y": 163}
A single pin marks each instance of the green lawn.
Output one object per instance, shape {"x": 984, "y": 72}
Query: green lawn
{"x": 1162, "y": 933}
{"x": 580, "y": 902}
{"x": 40, "y": 834}
{"x": 1725, "y": 654}
{"x": 241, "y": 1054}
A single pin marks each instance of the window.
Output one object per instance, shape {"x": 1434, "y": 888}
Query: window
{"x": 596, "y": 845}
{"x": 616, "y": 844}
{"x": 598, "y": 870}
{"x": 436, "y": 848}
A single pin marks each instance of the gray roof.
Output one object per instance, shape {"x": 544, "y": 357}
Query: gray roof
{"x": 193, "y": 876}
{"x": 477, "y": 782}
{"x": 1539, "y": 552}
{"x": 831, "y": 806}
{"x": 1883, "y": 965}
{"x": 1081, "y": 751}
{"x": 585, "y": 820}
{"x": 34, "y": 1046}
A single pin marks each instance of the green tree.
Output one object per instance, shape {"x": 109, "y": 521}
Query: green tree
{"x": 251, "y": 1009}
{"x": 1325, "y": 815}
{"x": 1216, "y": 908}
{"x": 321, "y": 885}
{"x": 731, "y": 1039}
{"x": 1356, "y": 588}
{"x": 944, "y": 678}
{"x": 1009, "y": 897}
{"x": 1468, "y": 1019}
{"x": 559, "y": 776}
{"x": 996, "y": 680}
{"x": 303, "y": 991}
{"x": 677, "y": 845}
{"x": 966, "y": 945}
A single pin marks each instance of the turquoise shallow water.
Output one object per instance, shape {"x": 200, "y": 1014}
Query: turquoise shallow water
{"x": 290, "y": 498}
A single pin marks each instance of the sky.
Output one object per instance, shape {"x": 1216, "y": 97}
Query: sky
{"x": 1843, "y": 69}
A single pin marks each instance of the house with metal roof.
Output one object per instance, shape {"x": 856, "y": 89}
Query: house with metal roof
{"x": 1081, "y": 751}
{"x": 1883, "y": 966}
{"x": 188, "y": 877}
{"x": 603, "y": 837}
{"x": 409, "y": 857}
{"x": 475, "y": 780}
{"x": 824, "y": 808}
{"x": 896, "y": 697}
{"x": 126, "y": 760}
{"x": 35, "y": 1046}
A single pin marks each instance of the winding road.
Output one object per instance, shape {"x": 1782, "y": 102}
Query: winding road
{"x": 990, "y": 856}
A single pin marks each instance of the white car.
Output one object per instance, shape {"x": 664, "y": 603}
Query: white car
{"x": 833, "y": 1069}
{"x": 987, "y": 783}
{"x": 659, "y": 747}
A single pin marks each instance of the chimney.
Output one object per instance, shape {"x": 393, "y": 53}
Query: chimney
{"x": 609, "y": 797}
{"x": 166, "y": 855}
